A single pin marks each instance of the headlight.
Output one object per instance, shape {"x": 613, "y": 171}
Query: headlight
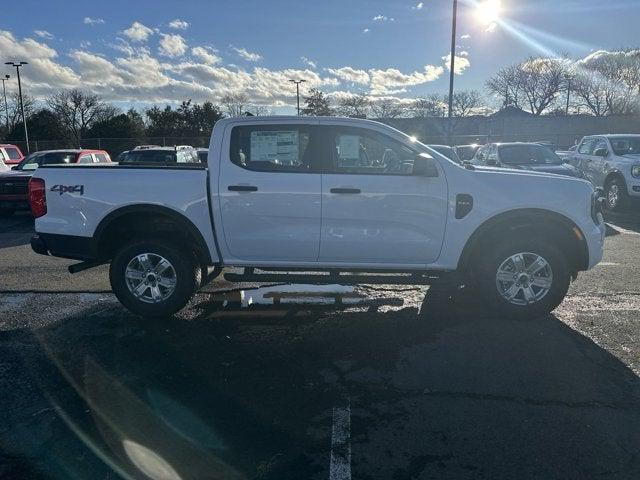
{"x": 635, "y": 171}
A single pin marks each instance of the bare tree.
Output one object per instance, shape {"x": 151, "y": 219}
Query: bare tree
{"x": 505, "y": 86}
{"x": 541, "y": 81}
{"x": 235, "y": 104}
{"x": 467, "y": 103}
{"x": 387, "y": 108}
{"x": 608, "y": 84}
{"x": 357, "y": 106}
{"x": 430, "y": 106}
{"x": 13, "y": 107}
{"x": 78, "y": 111}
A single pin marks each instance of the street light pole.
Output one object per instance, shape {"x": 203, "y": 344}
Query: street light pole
{"x": 24, "y": 120}
{"x": 298, "y": 82}
{"x": 452, "y": 66}
{"x": 6, "y": 105}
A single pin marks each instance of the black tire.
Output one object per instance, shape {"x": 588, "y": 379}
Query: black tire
{"x": 621, "y": 195}
{"x": 486, "y": 269}
{"x": 187, "y": 277}
{"x": 6, "y": 212}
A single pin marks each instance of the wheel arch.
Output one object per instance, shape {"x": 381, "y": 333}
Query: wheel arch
{"x": 562, "y": 229}
{"x": 137, "y": 218}
{"x": 615, "y": 173}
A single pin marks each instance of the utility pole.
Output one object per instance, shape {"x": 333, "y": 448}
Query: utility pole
{"x": 24, "y": 120}
{"x": 6, "y": 105}
{"x": 298, "y": 82}
{"x": 454, "y": 25}
{"x": 568, "y": 95}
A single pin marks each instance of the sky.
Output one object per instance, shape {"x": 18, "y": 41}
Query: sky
{"x": 141, "y": 52}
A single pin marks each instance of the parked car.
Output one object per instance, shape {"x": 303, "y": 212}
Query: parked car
{"x": 524, "y": 156}
{"x": 467, "y": 152}
{"x": 13, "y": 183}
{"x": 11, "y": 154}
{"x": 611, "y": 162}
{"x": 447, "y": 151}
{"x": 3, "y": 166}
{"x": 203, "y": 153}
{"x": 152, "y": 155}
{"x": 321, "y": 194}
{"x": 566, "y": 154}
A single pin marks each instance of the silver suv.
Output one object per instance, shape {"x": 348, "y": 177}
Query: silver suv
{"x": 611, "y": 162}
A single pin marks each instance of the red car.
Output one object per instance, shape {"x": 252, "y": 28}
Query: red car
{"x": 10, "y": 154}
{"x": 14, "y": 194}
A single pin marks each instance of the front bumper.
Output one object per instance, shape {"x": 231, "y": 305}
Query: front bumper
{"x": 595, "y": 243}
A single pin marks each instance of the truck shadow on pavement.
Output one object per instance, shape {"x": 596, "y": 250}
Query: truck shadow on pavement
{"x": 16, "y": 230}
{"x": 230, "y": 390}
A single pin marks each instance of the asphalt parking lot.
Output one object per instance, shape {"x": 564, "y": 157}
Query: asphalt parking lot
{"x": 271, "y": 383}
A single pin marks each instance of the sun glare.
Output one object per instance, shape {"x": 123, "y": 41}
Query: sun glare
{"x": 488, "y": 12}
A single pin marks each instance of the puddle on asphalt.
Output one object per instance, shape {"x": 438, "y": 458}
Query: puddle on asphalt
{"x": 291, "y": 297}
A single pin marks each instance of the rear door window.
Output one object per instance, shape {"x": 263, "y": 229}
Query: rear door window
{"x": 101, "y": 157}
{"x": 86, "y": 158}
{"x": 276, "y": 148}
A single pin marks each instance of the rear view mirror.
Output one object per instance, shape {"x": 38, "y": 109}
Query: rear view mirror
{"x": 425, "y": 166}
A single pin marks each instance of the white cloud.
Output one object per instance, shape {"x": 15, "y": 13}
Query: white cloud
{"x": 461, "y": 62}
{"x": 309, "y": 63}
{"x": 380, "y": 18}
{"x": 179, "y": 24}
{"x": 138, "y": 32}
{"x": 351, "y": 75}
{"x": 92, "y": 21}
{"x": 465, "y": 37}
{"x": 248, "y": 56}
{"x": 366, "y": 30}
{"x": 205, "y": 55}
{"x": 418, "y": 6}
{"x": 172, "y": 45}
{"x": 391, "y": 80}
{"x": 44, "y": 34}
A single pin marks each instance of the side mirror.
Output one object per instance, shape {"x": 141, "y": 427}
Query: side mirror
{"x": 601, "y": 152}
{"x": 424, "y": 166}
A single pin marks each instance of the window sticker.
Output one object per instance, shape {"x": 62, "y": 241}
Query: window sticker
{"x": 272, "y": 146}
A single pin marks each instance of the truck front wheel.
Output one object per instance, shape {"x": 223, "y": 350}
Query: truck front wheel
{"x": 153, "y": 278}
{"x": 523, "y": 277}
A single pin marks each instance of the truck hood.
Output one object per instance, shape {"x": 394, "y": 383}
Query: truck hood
{"x": 564, "y": 169}
{"x": 533, "y": 172}
{"x": 16, "y": 175}
{"x": 632, "y": 156}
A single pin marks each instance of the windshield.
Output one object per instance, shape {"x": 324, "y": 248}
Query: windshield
{"x": 13, "y": 153}
{"x": 149, "y": 156}
{"x": 528, "y": 155}
{"x": 625, "y": 145}
{"x": 35, "y": 160}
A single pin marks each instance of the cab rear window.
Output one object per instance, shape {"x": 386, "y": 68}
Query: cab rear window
{"x": 13, "y": 153}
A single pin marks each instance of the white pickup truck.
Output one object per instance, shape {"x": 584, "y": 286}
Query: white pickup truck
{"x": 351, "y": 200}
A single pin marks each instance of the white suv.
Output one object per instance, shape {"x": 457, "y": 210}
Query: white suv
{"x": 611, "y": 162}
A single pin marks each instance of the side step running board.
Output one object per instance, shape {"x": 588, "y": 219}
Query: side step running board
{"x": 325, "y": 279}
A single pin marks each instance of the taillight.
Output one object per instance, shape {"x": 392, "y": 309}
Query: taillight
{"x": 37, "y": 197}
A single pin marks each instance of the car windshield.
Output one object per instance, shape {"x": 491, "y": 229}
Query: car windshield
{"x": 448, "y": 152}
{"x": 528, "y": 155}
{"x": 36, "y": 160}
{"x": 625, "y": 145}
{"x": 13, "y": 153}
{"x": 150, "y": 156}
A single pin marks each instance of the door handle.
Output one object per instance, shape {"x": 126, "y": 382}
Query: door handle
{"x": 242, "y": 188}
{"x": 351, "y": 191}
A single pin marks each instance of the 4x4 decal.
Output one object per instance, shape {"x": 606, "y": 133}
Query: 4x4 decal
{"x": 68, "y": 189}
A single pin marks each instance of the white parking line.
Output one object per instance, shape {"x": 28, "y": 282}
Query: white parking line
{"x": 340, "y": 463}
{"x": 608, "y": 264}
{"x": 624, "y": 231}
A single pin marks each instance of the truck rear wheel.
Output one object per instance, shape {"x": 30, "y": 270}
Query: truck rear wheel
{"x": 153, "y": 278}
{"x": 523, "y": 277}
